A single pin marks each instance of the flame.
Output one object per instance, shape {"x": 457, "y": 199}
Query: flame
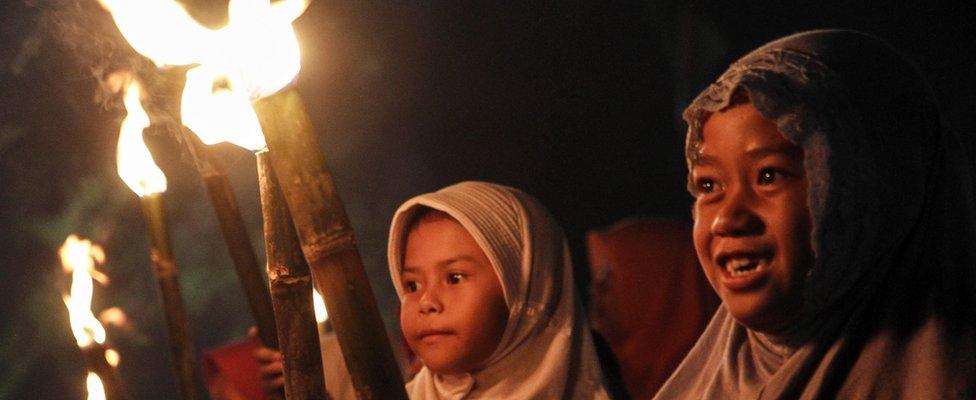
{"x": 135, "y": 164}
{"x": 321, "y": 314}
{"x": 161, "y": 30}
{"x": 96, "y": 390}
{"x": 79, "y": 257}
{"x": 254, "y": 55}
{"x": 257, "y": 46}
{"x": 216, "y": 112}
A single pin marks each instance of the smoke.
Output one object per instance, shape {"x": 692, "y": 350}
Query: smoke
{"x": 86, "y": 32}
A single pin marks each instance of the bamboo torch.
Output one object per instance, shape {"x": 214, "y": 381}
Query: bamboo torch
{"x": 79, "y": 258}
{"x": 320, "y": 220}
{"x": 138, "y": 170}
{"x": 211, "y": 112}
{"x": 291, "y": 286}
{"x": 329, "y": 246}
{"x": 216, "y": 112}
{"x": 235, "y": 234}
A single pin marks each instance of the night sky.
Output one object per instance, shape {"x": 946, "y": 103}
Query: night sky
{"x": 576, "y": 103}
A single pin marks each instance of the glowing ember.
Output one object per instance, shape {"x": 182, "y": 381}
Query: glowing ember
{"x": 321, "y": 314}
{"x": 135, "y": 164}
{"x": 113, "y": 317}
{"x": 96, "y": 391}
{"x": 79, "y": 257}
{"x": 255, "y": 55}
{"x": 112, "y": 357}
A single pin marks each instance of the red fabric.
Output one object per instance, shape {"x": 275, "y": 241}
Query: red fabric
{"x": 650, "y": 299}
{"x": 232, "y": 371}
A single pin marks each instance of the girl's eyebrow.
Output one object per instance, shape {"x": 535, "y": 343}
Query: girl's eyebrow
{"x": 408, "y": 270}
{"x": 439, "y": 265}
{"x": 702, "y": 160}
{"x": 445, "y": 263}
{"x": 786, "y": 149}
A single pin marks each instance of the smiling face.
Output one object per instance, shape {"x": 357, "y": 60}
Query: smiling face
{"x": 454, "y": 312}
{"x": 752, "y": 221}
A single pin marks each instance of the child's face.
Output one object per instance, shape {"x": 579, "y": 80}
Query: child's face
{"x": 752, "y": 222}
{"x": 454, "y": 311}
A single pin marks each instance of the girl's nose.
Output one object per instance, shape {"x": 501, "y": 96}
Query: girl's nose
{"x": 736, "y": 215}
{"x": 430, "y": 302}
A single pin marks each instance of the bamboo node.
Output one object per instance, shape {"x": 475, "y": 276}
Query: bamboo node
{"x": 276, "y": 271}
{"x": 329, "y": 244}
{"x": 291, "y": 280}
{"x": 162, "y": 267}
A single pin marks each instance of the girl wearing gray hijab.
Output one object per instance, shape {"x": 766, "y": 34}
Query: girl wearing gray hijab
{"x": 834, "y": 216}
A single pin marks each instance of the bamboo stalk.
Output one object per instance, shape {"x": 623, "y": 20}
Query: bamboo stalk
{"x": 328, "y": 245}
{"x": 165, "y": 270}
{"x": 95, "y": 361}
{"x": 291, "y": 290}
{"x": 235, "y": 235}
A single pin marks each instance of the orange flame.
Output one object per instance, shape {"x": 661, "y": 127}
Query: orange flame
{"x": 254, "y": 55}
{"x": 318, "y": 303}
{"x": 79, "y": 257}
{"x": 135, "y": 164}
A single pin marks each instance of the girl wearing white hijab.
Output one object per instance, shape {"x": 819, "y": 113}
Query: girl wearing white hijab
{"x": 488, "y": 300}
{"x": 834, "y": 216}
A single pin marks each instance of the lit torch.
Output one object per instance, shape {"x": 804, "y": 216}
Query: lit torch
{"x": 138, "y": 170}
{"x": 328, "y": 244}
{"x": 212, "y": 109}
{"x": 321, "y": 224}
{"x": 257, "y": 52}
{"x": 217, "y": 110}
{"x": 79, "y": 258}
{"x": 207, "y": 98}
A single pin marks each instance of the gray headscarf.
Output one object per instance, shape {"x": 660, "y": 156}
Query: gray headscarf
{"x": 891, "y": 200}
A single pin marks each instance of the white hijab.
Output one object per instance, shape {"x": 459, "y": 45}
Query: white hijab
{"x": 546, "y": 351}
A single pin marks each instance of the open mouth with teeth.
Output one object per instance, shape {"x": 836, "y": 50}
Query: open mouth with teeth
{"x": 743, "y": 271}
{"x": 741, "y": 266}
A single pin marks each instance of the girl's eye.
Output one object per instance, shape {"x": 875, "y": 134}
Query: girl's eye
{"x": 705, "y": 185}
{"x": 768, "y": 176}
{"x": 410, "y": 286}
{"x": 454, "y": 279}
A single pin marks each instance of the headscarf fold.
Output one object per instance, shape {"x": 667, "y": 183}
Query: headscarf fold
{"x": 546, "y": 350}
{"x": 891, "y": 201}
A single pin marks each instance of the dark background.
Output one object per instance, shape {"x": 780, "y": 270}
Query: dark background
{"x": 577, "y": 103}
